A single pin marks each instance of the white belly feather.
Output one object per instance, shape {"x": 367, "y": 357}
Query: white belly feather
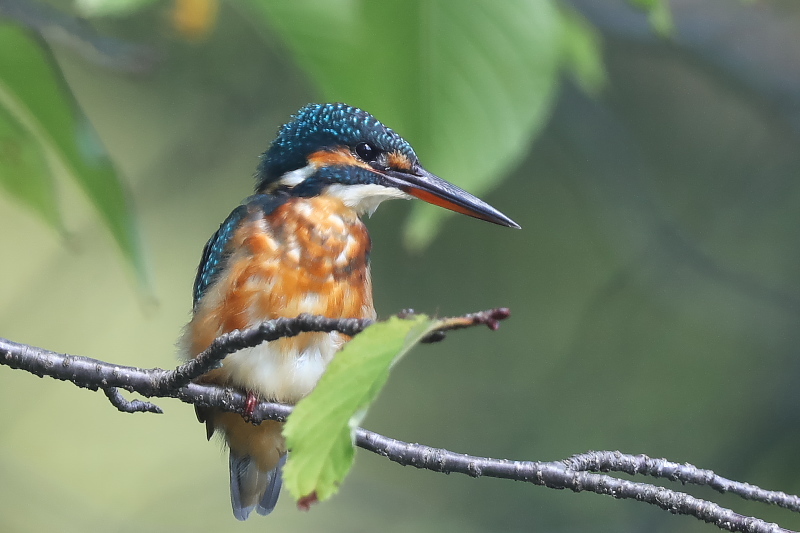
{"x": 279, "y": 374}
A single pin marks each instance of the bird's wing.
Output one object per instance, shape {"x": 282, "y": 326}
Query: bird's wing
{"x": 216, "y": 251}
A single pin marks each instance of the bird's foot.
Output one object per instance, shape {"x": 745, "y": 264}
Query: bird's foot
{"x": 250, "y": 406}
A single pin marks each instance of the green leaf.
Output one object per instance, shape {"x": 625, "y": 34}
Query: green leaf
{"x": 319, "y": 432}
{"x": 110, "y": 8}
{"x": 467, "y": 83}
{"x": 658, "y": 13}
{"x": 583, "y": 52}
{"x": 35, "y": 97}
{"x": 24, "y": 173}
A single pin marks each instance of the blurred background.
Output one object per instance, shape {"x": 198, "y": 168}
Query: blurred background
{"x": 648, "y": 150}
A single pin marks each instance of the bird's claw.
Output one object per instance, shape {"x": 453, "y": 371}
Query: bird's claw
{"x": 250, "y": 406}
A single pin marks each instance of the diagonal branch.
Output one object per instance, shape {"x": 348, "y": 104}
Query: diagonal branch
{"x": 279, "y": 328}
{"x": 94, "y": 374}
{"x": 568, "y": 474}
{"x": 683, "y": 473}
{"x": 271, "y": 330}
{"x": 559, "y": 475}
{"x": 583, "y": 472}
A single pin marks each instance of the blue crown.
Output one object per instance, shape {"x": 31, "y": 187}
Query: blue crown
{"x": 320, "y": 126}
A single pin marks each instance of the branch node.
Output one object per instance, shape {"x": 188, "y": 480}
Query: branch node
{"x": 129, "y": 406}
{"x": 490, "y": 318}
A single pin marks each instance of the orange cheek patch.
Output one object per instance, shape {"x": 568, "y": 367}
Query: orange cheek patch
{"x": 399, "y": 161}
{"x": 340, "y": 157}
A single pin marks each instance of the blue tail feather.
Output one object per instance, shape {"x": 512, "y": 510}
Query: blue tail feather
{"x": 252, "y": 488}
{"x": 273, "y": 490}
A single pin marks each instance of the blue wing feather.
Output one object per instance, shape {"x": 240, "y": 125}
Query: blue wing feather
{"x": 216, "y": 251}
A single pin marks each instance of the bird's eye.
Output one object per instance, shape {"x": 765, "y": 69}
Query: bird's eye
{"x": 366, "y": 152}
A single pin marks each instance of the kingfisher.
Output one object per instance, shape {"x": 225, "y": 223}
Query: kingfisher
{"x": 298, "y": 245}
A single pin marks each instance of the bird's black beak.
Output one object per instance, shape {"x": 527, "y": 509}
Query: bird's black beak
{"x": 421, "y": 184}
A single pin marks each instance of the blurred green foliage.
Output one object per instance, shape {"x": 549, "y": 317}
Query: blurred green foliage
{"x": 457, "y": 83}
{"x": 444, "y": 80}
{"x": 658, "y": 13}
{"x": 110, "y": 8}
{"x": 23, "y": 171}
{"x": 44, "y": 128}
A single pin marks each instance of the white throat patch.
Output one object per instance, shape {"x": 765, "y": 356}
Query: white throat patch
{"x": 364, "y": 198}
{"x": 296, "y": 177}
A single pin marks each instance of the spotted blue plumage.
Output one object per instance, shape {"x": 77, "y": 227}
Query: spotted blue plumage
{"x": 216, "y": 252}
{"x": 320, "y": 126}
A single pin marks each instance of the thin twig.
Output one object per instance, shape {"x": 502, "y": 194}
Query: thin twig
{"x": 684, "y": 473}
{"x": 94, "y": 374}
{"x": 552, "y": 474}
{"x": 558, "y": 475}
{"x": 271, "y": 330}
{"x": 130, "y": 406}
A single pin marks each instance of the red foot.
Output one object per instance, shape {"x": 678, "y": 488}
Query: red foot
{"x": 250, "y": 406}
{"x": 305, "y": 503}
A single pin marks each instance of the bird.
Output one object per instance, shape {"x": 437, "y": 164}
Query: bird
{"x": 299, "y": 245}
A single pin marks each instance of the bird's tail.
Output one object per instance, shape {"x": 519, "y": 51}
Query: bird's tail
{"x": 252, "y": 488}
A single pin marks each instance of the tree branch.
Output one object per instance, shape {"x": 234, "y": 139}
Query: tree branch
{"x": 129, "y": 406}
{"x": 583, "y": 472}
{"x": 684, "y": 473}
{"x": 564, "y": 475}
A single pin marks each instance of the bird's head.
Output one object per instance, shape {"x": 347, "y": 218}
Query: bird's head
{"x": 339, "y": 150}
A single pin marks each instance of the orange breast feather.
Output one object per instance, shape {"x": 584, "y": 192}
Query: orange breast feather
{"x": 310, "y": 255}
